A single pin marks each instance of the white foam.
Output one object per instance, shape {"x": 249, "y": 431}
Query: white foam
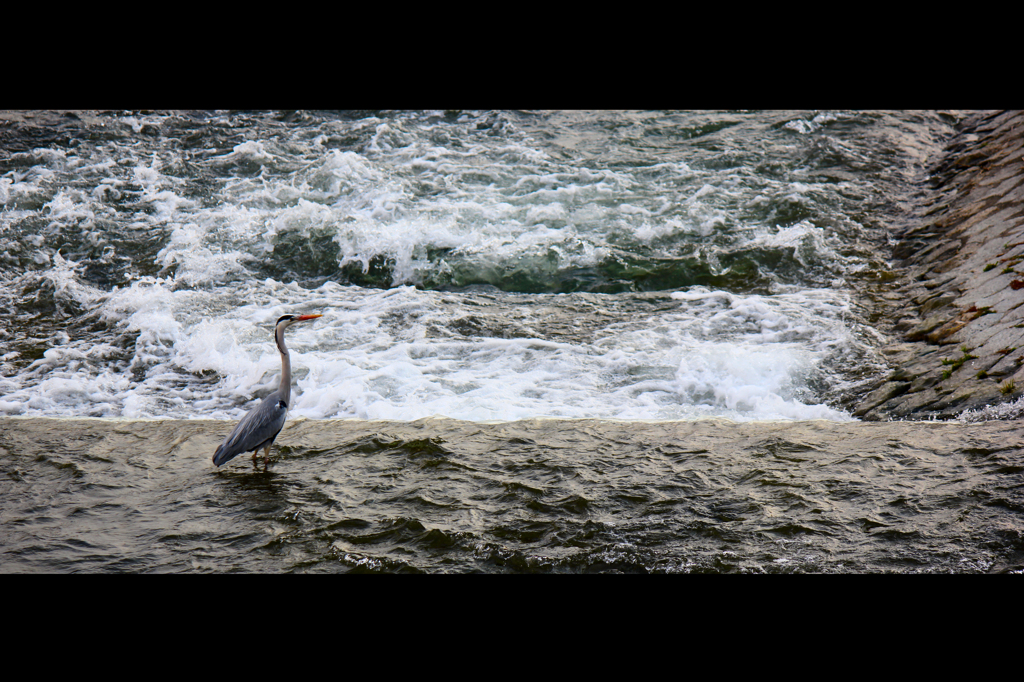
{"x": 1008, "y": 410}
{"x": 719, "y": 355}
{"x": 197, "y": 339}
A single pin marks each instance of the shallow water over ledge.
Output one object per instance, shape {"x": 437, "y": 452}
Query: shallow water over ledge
{"x": 561, "y": 496}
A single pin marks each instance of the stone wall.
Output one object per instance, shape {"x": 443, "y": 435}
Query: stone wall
{"x": 961, "y": 338}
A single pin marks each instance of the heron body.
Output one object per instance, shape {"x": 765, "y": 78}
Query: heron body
{"x": 260, "y": 426}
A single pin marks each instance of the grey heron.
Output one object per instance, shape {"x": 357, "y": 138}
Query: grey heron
{"x": 260, "y": 427}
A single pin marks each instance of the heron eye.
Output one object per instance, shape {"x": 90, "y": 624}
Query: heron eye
{"x": 283, "y": 404}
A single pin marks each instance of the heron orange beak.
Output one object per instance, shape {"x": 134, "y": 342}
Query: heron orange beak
{"x": 307, "y": 317}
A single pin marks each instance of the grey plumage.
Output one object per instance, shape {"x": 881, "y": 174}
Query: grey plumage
{"x": 258, "y": 429}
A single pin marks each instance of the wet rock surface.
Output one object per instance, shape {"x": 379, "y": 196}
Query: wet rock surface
{"x": 959, "y": 341}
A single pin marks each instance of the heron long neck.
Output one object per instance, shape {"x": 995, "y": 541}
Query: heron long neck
{"x": 286, "y": 366}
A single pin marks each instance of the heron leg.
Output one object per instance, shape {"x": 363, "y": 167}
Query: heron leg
{"x": 266, "y": 456}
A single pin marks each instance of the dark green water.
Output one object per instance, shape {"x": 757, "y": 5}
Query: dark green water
{"x": 495, "y": 269}
{"x": 544, "y": 496}
{"x": 480, "y": 265}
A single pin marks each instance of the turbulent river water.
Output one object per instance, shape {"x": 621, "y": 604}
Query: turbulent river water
{"x": 551, "y": 341}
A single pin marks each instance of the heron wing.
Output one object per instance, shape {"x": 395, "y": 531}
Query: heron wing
{"x": 260, "y": 426}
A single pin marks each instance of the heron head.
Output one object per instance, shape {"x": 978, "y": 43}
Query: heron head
{"x": 291, "y": 319}
{"x": 286, "y": 321}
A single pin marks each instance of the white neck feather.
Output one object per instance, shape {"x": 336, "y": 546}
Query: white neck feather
{"x": 286, "y": 364}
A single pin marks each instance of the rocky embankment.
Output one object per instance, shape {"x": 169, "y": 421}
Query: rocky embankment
{"x": 961, "y": 338}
